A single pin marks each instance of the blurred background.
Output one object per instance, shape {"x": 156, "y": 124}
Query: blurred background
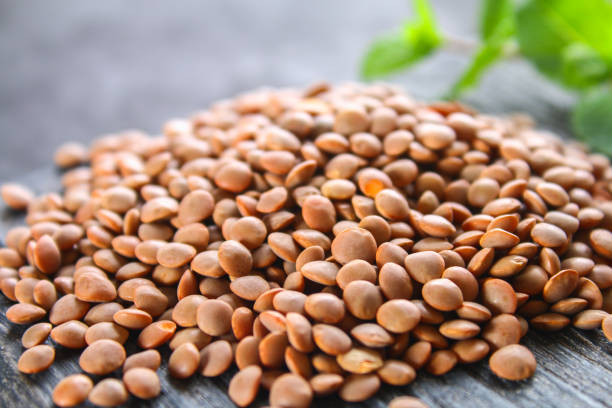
{"x": 72, "y": 70}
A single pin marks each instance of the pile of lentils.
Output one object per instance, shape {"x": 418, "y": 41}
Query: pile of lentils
{"x": 324, "y": 240}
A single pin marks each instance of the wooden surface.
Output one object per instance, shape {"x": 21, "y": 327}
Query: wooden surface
{"x": 95, "y": 67}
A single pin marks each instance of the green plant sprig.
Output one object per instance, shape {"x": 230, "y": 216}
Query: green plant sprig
{"x": 568, "y": 41}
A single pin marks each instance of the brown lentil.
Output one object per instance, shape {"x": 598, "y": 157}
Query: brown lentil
{"x": 459, "y": 329}
{"x": 290, "y": 390}
{"x": 195, "y": 206}
{"x": 25, "y": 313}
{"x": 214, "y": 317}
{"x": 299, "y": 332}
{"x": 589, "y": 319}
{"x": 407, "y": 402}
{"x": 359, "y": 387}
{"x": 560, "y": 285}
{"x": 94, "y": 287}
{"x": 175, "y": 254}
{"x": 36, "y": 334}
{"x": 398, "y": 315}
{"x": 68, "y": 307}
{"x": 418, "y": 353}
{"x": 330, "y": 339}
{"x": 156, "y": 334}
{"x": 513, "y": 362}
{"x": 442, "y": 294}
{"x": 325, "y": 307}
{"x": 132, "y": 318}
{"x": 184, "y": 361}
{"x": 102, "y": 313}
{"x": 464, "y": 279}
{"x": 70, "y": 334}
{"x": 325, "y": 384}
{"x": 357, "y": 269}
{"x": 362, "y": 299}
{"x": 244, "y": 385}
{"x": 372, "y": 335}
{"x": 142, "y": 382}
{"x": 322, "y": 272}
{"x": 16, "y": 196}
{"x": 396, "y": 372}
{"x": 549, "y": 322}
{"x": 354, "y": 243}
{"x": 102, "y": 357}
{"x": 394, "y": 281}
{"x": 474, "y": 312}
{"x": 106, "y": 330}
{"x": 249, "y": 287}
{"x": 441, "y": 362}
{"x": 424, "y": 266}
{"x": 471, "y": 350}
{"x": 36, "y": 359}
{"x": 257, "y": 244}
{"x": 215, "y": 358}
{"x": 498, "y": 296}
{"x": 148, "y": 359}
{"x": 502, "y": 330}
{"x": 110, "y": 392}
{"x": 319, "y": 213}
{"x": 72, "y": 390}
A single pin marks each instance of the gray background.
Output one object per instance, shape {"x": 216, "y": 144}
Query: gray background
{"x": 72, "y": 70}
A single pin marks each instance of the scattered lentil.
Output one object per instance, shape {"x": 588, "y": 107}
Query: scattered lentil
{"x": 72, "y": 390}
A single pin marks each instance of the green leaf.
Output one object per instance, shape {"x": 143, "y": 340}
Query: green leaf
{"x": 592, "y": 120}
{"x": 398, "y": 50}
{"x": 497, "y": 27}
{"x": 387, "y": 54}
{"x": 423, "y": 26}
{"x": 581, "y": 66}
{"x": 494, "y": 13}
{"x": 546, "y": 28}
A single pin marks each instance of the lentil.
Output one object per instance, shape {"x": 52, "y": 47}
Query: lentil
{"x": 102, "y": 357}
{"x": 72, "y": 390}
{"x": 244, "y": 385}
{"x": 70, "y": 334}
{"x": 290, "y": 390}
{"x": 16, "y": 196}
{"x": 110, "y": 392}
{"x": 142, "y": 382}
{"x": 398, "y": 315}
{"x": 36, "y": 359}
{"x": 214, "y": 317}
{"x": 326, "y": 231}
{"x": 513, "y": 362}
{"x": 359, "y": 387}
{"x": 442, "y": 294}
{"x": 36, "y": 334}
{"x": 148, "y": 359}
{"x": 184, "y": 361}
{"x": 325, "y": 384}
{"x": 215, "y": 358}
{"x": 407, "y": 402}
